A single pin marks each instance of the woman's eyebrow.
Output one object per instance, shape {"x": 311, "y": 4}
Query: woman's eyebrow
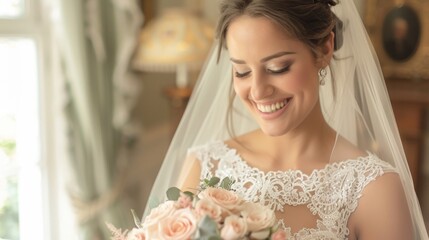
{"x": 276, "y": 55}
{"x": 265, "y": 59}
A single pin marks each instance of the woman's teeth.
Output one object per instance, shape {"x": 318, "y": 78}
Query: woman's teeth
{"x": 272, "y": 107}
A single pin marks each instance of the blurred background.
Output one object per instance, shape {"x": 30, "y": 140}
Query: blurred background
{"x": 91, "y": 92}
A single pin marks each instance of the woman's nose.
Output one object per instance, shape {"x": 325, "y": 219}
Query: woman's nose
{"x": 260, "y": 88}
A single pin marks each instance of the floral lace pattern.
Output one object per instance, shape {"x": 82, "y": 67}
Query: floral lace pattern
{"x": 331, "y": 193}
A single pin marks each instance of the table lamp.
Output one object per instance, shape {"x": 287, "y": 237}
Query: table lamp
{"x": 177, "y": 41}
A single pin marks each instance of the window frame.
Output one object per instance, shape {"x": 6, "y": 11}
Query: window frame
{"x": 34, "y": 25}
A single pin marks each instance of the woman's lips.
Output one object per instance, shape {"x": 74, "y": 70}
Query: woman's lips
{"x": 272, "y": 110}
{"x": 273, "y": 107}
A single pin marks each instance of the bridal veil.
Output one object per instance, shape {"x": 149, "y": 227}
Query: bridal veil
{"x": 354, "y": 100}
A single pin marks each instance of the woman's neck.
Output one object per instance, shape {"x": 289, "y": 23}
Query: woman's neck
{"x": 310, "y": 143}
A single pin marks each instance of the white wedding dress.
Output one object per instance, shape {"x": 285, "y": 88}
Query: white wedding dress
{"x": 311, "y": 205}
{"x": 330, "y": 194}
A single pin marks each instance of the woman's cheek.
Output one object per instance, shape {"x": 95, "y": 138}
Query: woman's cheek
{"x": 301, "y": 79}
{"x": 240, "y": 88}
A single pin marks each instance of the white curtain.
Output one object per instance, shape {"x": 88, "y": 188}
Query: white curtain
{"x": 94, "y": 41}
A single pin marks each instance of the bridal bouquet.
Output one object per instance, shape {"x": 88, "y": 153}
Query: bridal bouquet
{"x": 215, "y": 212}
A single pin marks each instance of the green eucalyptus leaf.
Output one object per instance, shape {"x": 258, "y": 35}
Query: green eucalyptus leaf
{"x": 173, "y": 193}
{"x": 213, "y": 181}
{"x": 190, "y": 194}
{"x": 226, "y": 183}
{"x": 207, "y": 229}
{"x": 208, "y": 225}
{"x": 215, "y": 238}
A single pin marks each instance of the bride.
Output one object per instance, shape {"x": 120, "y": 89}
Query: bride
{"x": 292, "y": 106}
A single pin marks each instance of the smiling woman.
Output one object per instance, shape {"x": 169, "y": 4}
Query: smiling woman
{"x": 293, "y": 108}
{"x": 282, "y": 71}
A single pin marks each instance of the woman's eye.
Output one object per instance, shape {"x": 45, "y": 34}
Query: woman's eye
{"x": 282, "y": 70}
{"x": 241, "y": 75}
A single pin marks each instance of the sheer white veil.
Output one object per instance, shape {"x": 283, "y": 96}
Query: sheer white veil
{"x": 354, "y": 101}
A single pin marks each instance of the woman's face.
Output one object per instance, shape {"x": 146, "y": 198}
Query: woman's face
{"x": 274, "y": 75}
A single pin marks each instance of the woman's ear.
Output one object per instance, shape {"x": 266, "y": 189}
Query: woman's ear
{"x": 327, "y": 50}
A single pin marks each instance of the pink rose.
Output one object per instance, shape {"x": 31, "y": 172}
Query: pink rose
{"x": 227, "y": 200}
{"x": 258, "y": 217}
{"x": 207, "y": 207}
{"x": 234, "y": 227}
{"x": 150, "y": 224}
{"x": 181, "y": 225}
{"x": 136, "y": 234}
{"x": 279, "y": 235}
{"x": 184, "y": 201}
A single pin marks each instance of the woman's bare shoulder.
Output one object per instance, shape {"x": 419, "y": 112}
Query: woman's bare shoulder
{"x": 383, "y": 211}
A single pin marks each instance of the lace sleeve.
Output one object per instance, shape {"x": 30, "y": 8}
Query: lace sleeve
{"x": 205, "y": 154}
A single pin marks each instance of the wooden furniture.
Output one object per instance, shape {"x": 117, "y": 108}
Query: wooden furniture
{"x": 148, "y": 9}
{"x": 410, "y": 101}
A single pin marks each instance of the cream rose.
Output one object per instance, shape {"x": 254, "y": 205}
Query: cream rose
{"x": 227, "y": 200}
{"x": 150, "y": 224}
{"x": 234, "y": 227}
{"x": 136, "y": 234}
{"x": 207, "y": 207}
{"x": 180, "y": 225}
{"x": 257, "y": 216}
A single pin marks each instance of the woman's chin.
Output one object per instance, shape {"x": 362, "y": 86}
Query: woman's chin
{"x": 274, "y": 131}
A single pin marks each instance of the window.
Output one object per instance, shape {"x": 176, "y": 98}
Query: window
{"x": 21, "y": 160}
{"x": 11, "y": 8}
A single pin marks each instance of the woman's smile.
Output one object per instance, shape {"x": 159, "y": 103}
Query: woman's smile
{"x": 274, "y": 109}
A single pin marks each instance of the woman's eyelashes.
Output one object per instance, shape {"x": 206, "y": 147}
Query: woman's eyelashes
{"x": 268, "y": 70}
{"x": 279, "y": 71}
{"x": 241, "y": 75}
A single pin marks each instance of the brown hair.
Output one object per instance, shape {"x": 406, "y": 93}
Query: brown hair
{"x": 310, "y": 21}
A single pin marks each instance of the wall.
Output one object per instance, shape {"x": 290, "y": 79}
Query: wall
{"x": 153, "y": 107}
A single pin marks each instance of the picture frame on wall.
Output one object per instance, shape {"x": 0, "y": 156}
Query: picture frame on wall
{"x": 399, "y": 32}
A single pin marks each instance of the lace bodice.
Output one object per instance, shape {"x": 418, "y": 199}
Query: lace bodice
{"x": 331, "y": 193}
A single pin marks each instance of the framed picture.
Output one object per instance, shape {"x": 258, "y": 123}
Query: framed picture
{"x": 399, "y": 30}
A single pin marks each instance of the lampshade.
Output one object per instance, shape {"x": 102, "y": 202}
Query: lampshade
{"x": 174, "y": 42}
